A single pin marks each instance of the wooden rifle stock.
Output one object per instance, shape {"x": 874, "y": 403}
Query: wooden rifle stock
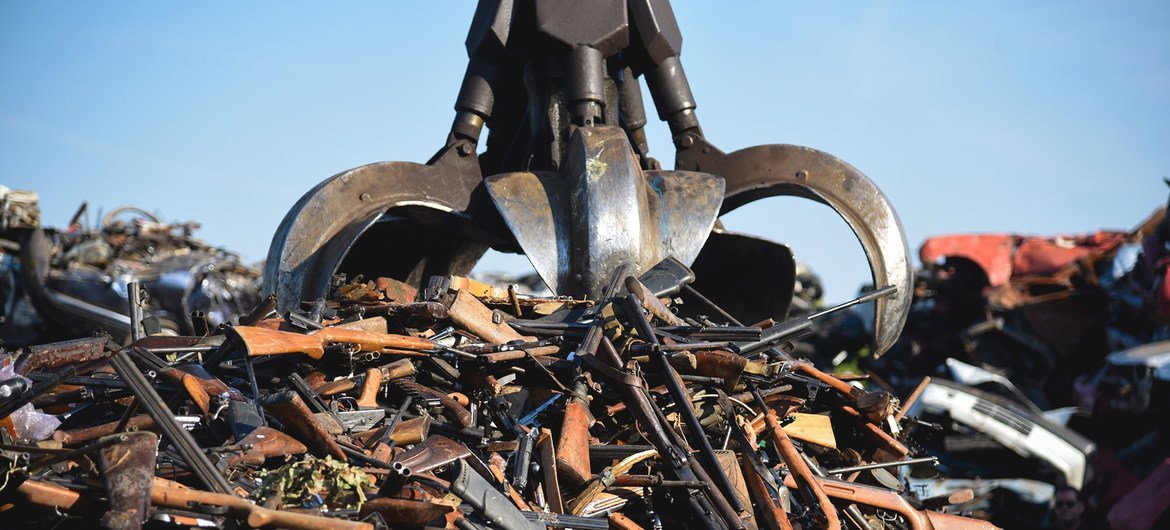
{"x": 395, "y": 370}
{"x": 200, "y": 385}
{"x": 292, "y": 412}
{"x": 618, "y": 521}
{"x": 409, "y": 512}
{"x": 50, "y": 495}
{"x": 722, "y": 364}
{"x": 127, "y": 471}
{"x": 266, "y": 443}
{"x": 368, "y": 398}
{"x": 572, "y": 455}
{"x": 261, "y": 341}
{"x": 470, "y": 314}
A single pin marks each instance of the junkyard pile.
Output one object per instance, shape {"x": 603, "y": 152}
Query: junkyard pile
{"x": 461, "y": 406}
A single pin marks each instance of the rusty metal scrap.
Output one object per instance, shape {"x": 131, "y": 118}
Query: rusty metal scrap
{"x": 354, "y": 412}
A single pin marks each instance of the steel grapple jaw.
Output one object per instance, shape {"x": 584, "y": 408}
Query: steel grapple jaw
{"x": 566, "y": 177}
{"x": 601, "y": 210}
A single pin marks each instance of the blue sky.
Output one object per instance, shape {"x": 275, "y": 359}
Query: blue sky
{"x": 1035, "y": 117}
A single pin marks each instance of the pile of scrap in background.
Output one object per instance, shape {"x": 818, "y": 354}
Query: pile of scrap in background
{"x": 70, "y": 282}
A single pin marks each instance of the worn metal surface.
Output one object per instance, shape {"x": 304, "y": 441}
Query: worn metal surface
{"x": 602, "y": 210}
{"x": 128, "y": 470}
{"x": 774, "y": 170}
{"x": 323, "y": 226}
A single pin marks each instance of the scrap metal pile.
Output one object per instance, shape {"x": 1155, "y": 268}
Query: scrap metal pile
{"x": 58, "y": 283}
{"x": 462, "y": 405}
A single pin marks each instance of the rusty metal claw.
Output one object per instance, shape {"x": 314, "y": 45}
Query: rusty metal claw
{"x": 774, "y": 170}
{"x": 419, "y": 219}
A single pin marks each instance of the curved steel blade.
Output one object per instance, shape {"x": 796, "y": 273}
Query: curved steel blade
{"x": 450, "y": 224}
{"x": 778, "y": 169}
{"x": 600, "y": 210}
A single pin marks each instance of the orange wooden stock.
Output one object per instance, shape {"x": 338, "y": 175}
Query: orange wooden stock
{"x": 797, "y": 467}
{"x": 260, "y": 341}
{"x": 573, "y": 444}
{"x": 370, "y": 387}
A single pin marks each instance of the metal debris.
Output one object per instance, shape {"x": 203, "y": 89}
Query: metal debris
{"x": 463, "y": 407}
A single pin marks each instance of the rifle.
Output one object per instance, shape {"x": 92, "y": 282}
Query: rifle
{"x": 262, "y": 341}
{"x": 255, "y": 516}
{"x": 573, "y": 444}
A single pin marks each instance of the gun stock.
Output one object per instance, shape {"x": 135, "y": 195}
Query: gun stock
{"x": 50, "y": 495}
{"x": 722, "y": 364}
{"x": 292, "y": 412}
{"x": 266, "y": 443}
{"x": 468, "y": 312}
{"x": 573, "y": 444}
{"x": 409, "y": 512}
{"x": 128, "y": 470}
{"x": 260, "y": 341}
{"x": 373, "y": 383}
{"x": 407, "y": 432}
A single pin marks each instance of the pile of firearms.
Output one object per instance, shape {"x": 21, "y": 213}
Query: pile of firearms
{"x": 461, "y": 405}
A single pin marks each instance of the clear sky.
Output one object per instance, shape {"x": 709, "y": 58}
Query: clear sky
{"x": 1035, "y": 117}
